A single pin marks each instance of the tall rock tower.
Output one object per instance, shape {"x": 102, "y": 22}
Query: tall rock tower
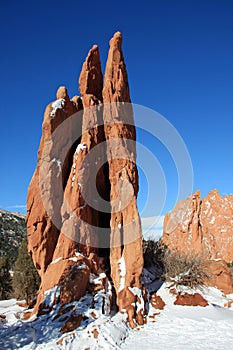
{"x": 126, "y": 243}
{"x": 82, "y": 218}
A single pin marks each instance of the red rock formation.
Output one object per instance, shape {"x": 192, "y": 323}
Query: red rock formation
{"x": 204, "y": 228}
{"x": 187, "y": 299}
{"x": 126, "y": 250}
{"x": 47, "y": 179}
{"x": 220, "y": 276}
{"x": 68, "y": 230}
{"x": 79, "y": 219}
{"x": 157, "y": 302}
{"x": 201, "y": 226}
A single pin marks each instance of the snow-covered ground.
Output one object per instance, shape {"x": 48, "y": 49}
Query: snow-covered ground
{"x": 176, "y": 327}
{"x": 186, "y": 327}
{"x": 44, "y": 333}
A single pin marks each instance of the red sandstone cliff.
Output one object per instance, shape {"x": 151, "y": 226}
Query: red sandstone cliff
{"x": 204, "y": 227}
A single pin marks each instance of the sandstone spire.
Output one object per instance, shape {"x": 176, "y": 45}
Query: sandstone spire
{"x": 80, "y": 221}
{"x": 126, "y": 243}
{"x": 43, "y": 223}
{"x": 82, "y": 208}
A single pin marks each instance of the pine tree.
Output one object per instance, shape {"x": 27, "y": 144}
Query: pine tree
{"x": 25, "y": 279}
{"x": 5, "y": 278}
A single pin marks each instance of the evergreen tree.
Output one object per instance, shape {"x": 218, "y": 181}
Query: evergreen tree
{"x": 25, "y": 279}
{"x": 5, "y": 278}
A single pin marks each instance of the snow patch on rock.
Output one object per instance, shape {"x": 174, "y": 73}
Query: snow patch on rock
{"x": 122, "y": 270}
{"x": 58, "y": 104}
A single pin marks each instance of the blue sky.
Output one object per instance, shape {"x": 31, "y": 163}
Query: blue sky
{"x": 179, "y": 57}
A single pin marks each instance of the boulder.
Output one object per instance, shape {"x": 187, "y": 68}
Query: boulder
{"x": 187, "y": 299}
{"x": 157, "y": 302}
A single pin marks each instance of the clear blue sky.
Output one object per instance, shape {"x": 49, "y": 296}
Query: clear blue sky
{"x": 179, "y": 56}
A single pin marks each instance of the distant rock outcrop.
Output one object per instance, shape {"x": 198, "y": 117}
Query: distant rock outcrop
{"x": 201, "y": 226}
{"x": 75, "y": 244}
{"x": 204, "y": 227}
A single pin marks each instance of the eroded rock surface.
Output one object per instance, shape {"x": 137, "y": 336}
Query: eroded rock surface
{"x": 43, "y": 224}
{"x": 220, "y": 276}
{"x": 126, "y": 243}
{"x": 205, "y": 226}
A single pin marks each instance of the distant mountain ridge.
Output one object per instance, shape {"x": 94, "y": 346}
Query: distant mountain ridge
{"x": 15, "y": 213}
{"x": 12, "y": 232}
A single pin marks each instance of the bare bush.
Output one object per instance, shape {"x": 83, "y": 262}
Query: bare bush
{"x": 189, "y": 270}
{"x": 186, "y": 270}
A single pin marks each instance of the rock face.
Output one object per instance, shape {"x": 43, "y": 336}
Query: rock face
{"x": 202, "y": 226}
{"x": 220, "y": 276}
{"x": 82, "y": 219}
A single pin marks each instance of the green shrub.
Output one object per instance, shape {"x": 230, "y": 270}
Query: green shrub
{"x": 5, "y": 278}
{"x": 25, "y": 279}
